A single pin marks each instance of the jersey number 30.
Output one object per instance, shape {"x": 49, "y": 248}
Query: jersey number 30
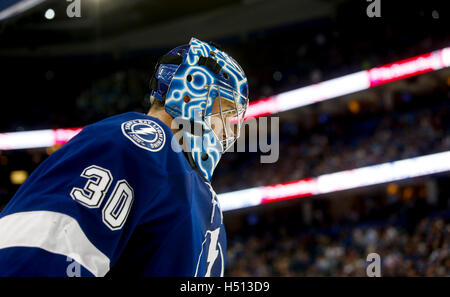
{"x": 117, "y": 208}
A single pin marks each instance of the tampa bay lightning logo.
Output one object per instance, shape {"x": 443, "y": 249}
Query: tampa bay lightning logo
{"x": 146, "y": 134}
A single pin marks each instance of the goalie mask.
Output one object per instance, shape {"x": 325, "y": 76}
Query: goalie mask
{"x": 206, "y": 91}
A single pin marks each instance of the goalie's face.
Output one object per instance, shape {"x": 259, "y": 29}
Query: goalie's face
{"x": 226, "y": 118}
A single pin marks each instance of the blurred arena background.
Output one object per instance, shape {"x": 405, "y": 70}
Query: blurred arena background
{"x": 62, "y": 73}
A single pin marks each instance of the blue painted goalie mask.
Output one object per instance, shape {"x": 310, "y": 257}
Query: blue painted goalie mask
{"x": 206, "y": 92}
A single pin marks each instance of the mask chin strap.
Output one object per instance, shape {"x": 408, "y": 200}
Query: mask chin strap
{"x": 194, "y": 166}
{"x": 192, "y": 162}
{"x": 196, "y": 129}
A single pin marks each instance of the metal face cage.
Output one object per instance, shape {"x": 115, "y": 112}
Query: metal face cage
{"x": 225, "y": 119}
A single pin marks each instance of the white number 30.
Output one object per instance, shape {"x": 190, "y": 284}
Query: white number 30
{"x": 117, "y": 207}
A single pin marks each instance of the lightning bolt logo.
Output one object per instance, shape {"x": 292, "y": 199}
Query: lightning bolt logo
{"x": 145, "y": 131}
{"x": 213, "y": 252}
{"x": 146, "y": 134}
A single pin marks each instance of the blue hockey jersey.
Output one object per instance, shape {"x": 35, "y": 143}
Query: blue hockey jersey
{"x": 119, "y": 199}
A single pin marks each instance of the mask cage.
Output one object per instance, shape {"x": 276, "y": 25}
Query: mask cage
{"x": 228, "y": 108}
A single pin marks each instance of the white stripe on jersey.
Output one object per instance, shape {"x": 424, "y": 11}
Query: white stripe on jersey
{"x": 54, "y": 232}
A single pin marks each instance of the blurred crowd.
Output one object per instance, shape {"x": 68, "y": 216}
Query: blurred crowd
{"x": 341, "y": 144}
{"x": 424, "y": 250}
{"x": 118, "y": 92}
